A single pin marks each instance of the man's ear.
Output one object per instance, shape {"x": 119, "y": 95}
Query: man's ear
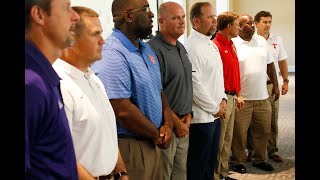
{"x": 127, "y": 16}
{"x": 37, "y": 14}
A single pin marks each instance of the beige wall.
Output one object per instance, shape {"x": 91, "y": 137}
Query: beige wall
{"x": 283, "y": 20}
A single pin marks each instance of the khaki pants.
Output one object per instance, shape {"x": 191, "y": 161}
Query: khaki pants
{"x": 273, "y": 138}
{"x": 142, "y": 159}
{"x": 272, "y": 147}
{"x": 175, "y": 158}
{"x": 225, "y": 139}
{"x": 258, "y": 114}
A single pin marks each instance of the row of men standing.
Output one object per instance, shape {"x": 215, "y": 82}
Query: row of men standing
{"x": 170, "y": 101}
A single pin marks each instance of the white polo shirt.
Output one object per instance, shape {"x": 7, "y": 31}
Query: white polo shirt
{"x": 91, "y": 118}
{"x": 253, "y": 55}
{"x": 207, "y": 77}
{"x": 276, "y": 46}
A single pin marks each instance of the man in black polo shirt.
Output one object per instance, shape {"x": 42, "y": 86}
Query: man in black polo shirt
{"x": 176, "y": 79}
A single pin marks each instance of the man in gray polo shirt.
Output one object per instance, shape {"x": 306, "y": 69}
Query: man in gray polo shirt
{"x": 176, "y": 76}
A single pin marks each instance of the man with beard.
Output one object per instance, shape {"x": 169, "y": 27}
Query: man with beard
{"x": 209, "y": 98}
{"x": 256, "y": 64}
{"x": 130, "y": 72}
{"x": 49, "y": 152}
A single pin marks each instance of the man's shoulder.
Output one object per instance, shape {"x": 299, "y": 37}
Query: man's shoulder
{"x": 155, "y": 42}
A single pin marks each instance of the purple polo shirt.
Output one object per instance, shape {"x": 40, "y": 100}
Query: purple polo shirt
{"x": 49, "y": 152}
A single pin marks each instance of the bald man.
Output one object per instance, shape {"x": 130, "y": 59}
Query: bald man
{"x": 176, "y": 74}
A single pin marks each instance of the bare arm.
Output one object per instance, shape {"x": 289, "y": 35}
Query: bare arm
{"x": 283, "y": 66}
{"x": 120, "y": 167}
{"x": 130, "y": 117}
{"x": 181, "y": 126}
{"x": 271, "y": 71}
{"x": 83, "y": 173}
{"x": 166, "y": 128}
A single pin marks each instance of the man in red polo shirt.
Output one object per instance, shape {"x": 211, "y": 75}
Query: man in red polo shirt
{"x": 227, "y": 28}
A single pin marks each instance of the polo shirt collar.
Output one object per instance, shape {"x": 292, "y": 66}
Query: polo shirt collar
{"x": 166, "y": 44}
{"x": 125, "y": 41}
{"x": 223, "y": 39}
{"x": 200, "y": 35}
{"x": 73, "y": 71}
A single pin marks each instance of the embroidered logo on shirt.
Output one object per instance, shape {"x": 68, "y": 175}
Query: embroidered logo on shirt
{"x": 274, "y": 46}
{"x": 152, "y": 59}
{"x": 225, "y": 51}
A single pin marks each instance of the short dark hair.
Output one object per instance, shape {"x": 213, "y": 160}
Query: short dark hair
{"x": 195, "y": 10}
{"x": 43, "y": 4}
{"x": 260, "y": 14}
{"x": 117, "y": 8}
{"x": 83, "y": 11}
{"x": 226, "y": 18}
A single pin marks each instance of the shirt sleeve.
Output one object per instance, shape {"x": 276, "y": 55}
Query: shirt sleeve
{"x": 114, "y": 72}
{"x": 200, "y": 95}
{"x": 282, "y": 51}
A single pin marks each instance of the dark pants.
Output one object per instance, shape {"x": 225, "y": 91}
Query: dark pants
{"x": 203, "y": 150}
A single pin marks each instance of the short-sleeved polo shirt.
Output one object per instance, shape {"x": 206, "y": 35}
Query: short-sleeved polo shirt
{"x": 129, "y": 72}
{"x": 49, "y": 152}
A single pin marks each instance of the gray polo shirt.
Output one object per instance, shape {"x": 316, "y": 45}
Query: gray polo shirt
{"x": 176, "y": 73}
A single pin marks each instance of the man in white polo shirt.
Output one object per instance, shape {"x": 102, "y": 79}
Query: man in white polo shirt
{"x": 256, "y": 63}
{"x": 90, "y": 115}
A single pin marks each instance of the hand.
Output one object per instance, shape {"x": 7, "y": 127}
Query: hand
{"x": 284, "y": 88}
{"x": 222, "y": 110}
{"x": 240, "y": 103}
{"x": 276, "y": 93}
{"x": 181, "y": 129}
{"x": 187, "y": 119}
{"x": 164, "y": 138}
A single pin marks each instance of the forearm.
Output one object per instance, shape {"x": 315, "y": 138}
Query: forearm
{"x": 166, "y": 111}
{"x": 271, "y": 71}
{"x": 283, "y": 66}
{"x": 83, "y": 173}
{"x": 131, "y": 118}
{"x": 120, "y": 166}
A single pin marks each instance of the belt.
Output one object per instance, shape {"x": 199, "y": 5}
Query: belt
{"x": 105, "y": 177}
{"x": 269, "y": 82}
{"x": 230, "y": 93}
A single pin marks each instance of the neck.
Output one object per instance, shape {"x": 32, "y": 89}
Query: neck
{"x": 49, "y": 50}
{"x": 265, "y": 35}
{"x": 79, "y": 62}
{"x": 225, "y": 34}
{"x": 128, "y": 33}
{"x": 169, "y": 38}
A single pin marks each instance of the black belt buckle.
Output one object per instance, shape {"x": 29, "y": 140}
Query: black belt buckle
{"x": 230, "y": 93}
{"x": 105, "y": 177}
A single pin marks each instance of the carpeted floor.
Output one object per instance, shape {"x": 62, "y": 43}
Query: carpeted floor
{"x": 286, "y": 142}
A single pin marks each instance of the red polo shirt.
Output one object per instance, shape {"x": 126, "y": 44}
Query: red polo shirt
{"x": 231, "y": 70}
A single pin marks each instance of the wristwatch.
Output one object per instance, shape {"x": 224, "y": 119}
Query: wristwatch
{"x": 119, "y": 174}
{"x": 286, "y": 80}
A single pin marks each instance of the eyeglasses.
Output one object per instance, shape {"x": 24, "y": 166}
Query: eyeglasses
{"x": 145, "y": 8}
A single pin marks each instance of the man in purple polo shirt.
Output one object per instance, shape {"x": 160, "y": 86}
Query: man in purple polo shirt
{"x": 49, "y": 152}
